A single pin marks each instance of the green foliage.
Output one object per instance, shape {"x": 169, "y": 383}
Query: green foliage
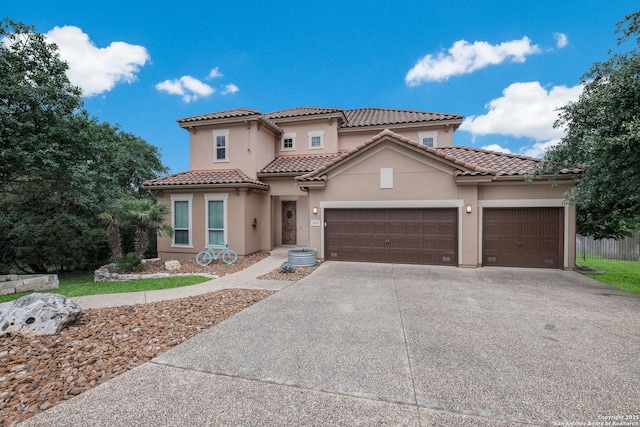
{"x": 603, "y": 138}
{"x": 78, "y": 286}
{"x": 59, "y": 168}
{"x": 130, "y": 262}
{"x": 144, "y": 216}
{"x": 287, "y": 267}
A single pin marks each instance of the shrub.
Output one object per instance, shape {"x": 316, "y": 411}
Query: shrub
{"x": 287, "y": 267}
{"x": 130, "y": 262}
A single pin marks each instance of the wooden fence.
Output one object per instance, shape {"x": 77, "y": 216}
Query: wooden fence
{"x": 627, "y": 249}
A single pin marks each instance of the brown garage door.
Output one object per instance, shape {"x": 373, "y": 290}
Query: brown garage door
{"x": 523, "y": 237}
{"x": 404, "y": 236}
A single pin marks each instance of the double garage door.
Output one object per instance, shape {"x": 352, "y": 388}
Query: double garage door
{"x": 403, "y": 236}
{"x": 511, "y": 237}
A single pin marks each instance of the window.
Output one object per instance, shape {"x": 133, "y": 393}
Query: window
{"x": 181, "y": 220}
{"x": 216, "y": 218}
{"x": 288, "y": 141}
{"x": 316, "y": 139}
{"x": 221, "y": 145}
{"x": 430, "y": 139}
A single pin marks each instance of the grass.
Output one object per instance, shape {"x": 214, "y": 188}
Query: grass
{"x": 624, "y": 275}
{"x": 77, "y": 286}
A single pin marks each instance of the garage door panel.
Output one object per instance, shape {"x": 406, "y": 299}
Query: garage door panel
{"x": 408, "y": 236}
{"x": 523, "y": 237}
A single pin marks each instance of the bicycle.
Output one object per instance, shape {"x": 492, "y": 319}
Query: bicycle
{"x": 204, "y": 258}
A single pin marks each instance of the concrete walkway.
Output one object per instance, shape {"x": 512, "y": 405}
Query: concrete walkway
{"x": 245, "y": 279}
{"x": 380, "y": 344}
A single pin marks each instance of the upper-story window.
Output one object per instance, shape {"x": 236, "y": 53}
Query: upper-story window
{"x": 429, "y": 139}
{"x": 316, "y": 139}
{"x": 288, "y": 141}
{"x": 221, "y": 145}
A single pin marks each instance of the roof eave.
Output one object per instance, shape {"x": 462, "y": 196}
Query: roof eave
{"x": 204, "y": 186}
{"x": 231, "y": 120}
{"x": 455, "y": 123}
{"x": 281, "y": 174}
{"x": 308, "y": 117}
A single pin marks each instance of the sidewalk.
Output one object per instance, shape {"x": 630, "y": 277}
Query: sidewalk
{"x": 246, "y": 279}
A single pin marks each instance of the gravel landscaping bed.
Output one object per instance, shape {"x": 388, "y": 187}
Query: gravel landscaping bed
{"x": 217, "y": 267}
{"x": 38, "y": 372}
{"x": 298, "y": 274}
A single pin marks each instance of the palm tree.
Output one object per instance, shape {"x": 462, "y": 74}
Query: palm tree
{"x": 115, "y": 239}
{"x": 146, "y": 216}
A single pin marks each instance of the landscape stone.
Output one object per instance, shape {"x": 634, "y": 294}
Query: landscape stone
{"x": 40, "y": 313}
{"x": 172, "y": 265}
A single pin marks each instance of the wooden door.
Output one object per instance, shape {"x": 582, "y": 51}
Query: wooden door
{"x": 288, "y": 222}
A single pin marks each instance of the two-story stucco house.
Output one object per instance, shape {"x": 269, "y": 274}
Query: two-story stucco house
{"x": 369, "y": 184}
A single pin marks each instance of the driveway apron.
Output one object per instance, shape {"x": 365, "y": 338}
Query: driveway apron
{"x": 382, "y": 344}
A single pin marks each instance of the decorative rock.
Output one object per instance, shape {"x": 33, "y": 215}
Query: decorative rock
{"x": 40, "y": 314}
{"x": 172, "y": 265}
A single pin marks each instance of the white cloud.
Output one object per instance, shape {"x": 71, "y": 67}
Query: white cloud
{"x": 524, "y": 110}
{"x": 230, "y": 88}
{"x": 97, "y": 70}
{"x": 214, "y": 74}
{"x": 561, "y": 40}
{"x": 464, "y": 57}
{"x": 496, "y": 147}
{"x": 539, "y": 148}
{"x": 188, "y": 87}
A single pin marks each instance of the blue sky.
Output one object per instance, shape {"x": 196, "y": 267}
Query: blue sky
{"x": 504, "y": 65}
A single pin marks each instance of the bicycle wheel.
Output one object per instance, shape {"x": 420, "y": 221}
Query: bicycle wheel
{"x": 229, "y": 256}
{"x": 204, "y": 258}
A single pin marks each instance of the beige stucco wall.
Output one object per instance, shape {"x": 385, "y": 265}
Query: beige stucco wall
{"x": 348, "y": 139}
{"x": 329, "y": 126}
{"x": 250, "y": 148}
{"x": 242, "y": 207}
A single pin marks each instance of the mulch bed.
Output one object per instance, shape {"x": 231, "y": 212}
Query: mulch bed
{"x": 40, "y": 371}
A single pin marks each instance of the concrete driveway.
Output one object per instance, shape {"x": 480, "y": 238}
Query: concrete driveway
{"x": 374, "y": 344}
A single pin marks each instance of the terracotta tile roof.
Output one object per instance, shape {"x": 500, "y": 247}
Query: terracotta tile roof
{"x": 205, "y": 178}
{"x": 227, "y": 114}
{"x": 356, "y": 118}
{"x": 361, "y": 117}
{"x": 301, "y": 112}
{"x": 496, "y": 163}
{"x": 471, "y": 161}
{"x": 297, "y": 163}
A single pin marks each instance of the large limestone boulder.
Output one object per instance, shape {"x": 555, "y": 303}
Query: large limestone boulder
{"x": 40, "y": 314}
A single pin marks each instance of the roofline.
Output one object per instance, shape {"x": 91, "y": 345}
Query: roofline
{"x": 485, "y": 178}
{"x": 308, "y": 117}
{"x": 422, "y": 124}
{"x": 204, "y": 186}
{"x": 232, "y": 120}
{"x": 280, "y": 174}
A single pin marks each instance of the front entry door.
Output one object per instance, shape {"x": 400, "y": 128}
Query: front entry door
{"x": 289, "y": 223}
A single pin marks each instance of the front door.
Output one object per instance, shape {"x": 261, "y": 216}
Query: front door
{"x": 288, "y": 222}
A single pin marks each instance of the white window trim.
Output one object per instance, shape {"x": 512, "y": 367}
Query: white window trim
{"x": 209, "y": 197}
{"x": 288, "y": 135}
{"x": 429, "y": 134}
{"x": 216, "y": 134}
{"x": 315, "y": 133}
{"x": 182, "y": 198}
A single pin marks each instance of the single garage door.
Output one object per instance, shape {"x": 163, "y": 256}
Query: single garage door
{"x": 523, "y": 237}
{"x": 403, "y": 236}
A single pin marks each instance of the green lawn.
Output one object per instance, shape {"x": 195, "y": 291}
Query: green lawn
{"x": 84, "y": 285}
{"x": 623, "y": 275}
